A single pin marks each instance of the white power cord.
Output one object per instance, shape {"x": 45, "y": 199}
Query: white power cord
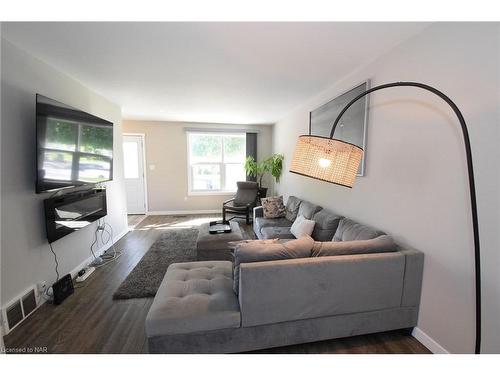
{"x": 105, "y": 258}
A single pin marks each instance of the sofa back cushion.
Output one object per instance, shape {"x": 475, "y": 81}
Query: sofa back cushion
{"x": 292, "y": 208}
{"x": 260, "y": 251}
{"x": 326, "y": 225}
{"x": 349, "y": 230}
{"x": 308, "y": 209}
{"x": 381, "y": 244}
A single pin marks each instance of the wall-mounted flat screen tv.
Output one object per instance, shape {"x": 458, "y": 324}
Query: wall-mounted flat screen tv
{"x": 74, "y": 148}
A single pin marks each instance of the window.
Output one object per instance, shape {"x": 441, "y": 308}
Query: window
{"x": 216, "y": 161}
{"x": 130, "y": 160}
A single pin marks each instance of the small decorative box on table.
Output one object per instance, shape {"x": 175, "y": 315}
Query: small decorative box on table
{"x": 219, "y": 226}
{"x": 216, "y": 246}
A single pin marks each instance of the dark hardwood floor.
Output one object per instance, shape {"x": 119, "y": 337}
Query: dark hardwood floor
{"x": 90, "y": 321}
{"x": 134, "y": 220}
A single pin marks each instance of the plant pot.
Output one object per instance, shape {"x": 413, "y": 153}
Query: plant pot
{"x": 262, "y": 192}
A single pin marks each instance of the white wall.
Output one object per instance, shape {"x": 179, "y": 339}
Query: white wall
{"x": 166, "y": 149}
{"x": 415, "y": 186}
{"x": 26, "y": 258}
{"x": 2, "y": 346}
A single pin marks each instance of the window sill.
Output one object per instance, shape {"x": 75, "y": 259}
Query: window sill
{"x": 217, "y": 192}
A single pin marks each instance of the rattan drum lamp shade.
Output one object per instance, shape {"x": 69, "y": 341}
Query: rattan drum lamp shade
{"x": 327, "y": 160}
{"x": 335, "y": 161}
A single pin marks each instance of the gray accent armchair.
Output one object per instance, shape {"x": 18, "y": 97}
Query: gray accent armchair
{"x": 243, "y": 203}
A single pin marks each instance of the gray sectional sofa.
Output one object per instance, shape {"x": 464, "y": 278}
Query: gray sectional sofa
{"x": 351, "y": 282}
{"x": 324, "y": 229}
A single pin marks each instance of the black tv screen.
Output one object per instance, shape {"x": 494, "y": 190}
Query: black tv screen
{"x": 74, "y": 148}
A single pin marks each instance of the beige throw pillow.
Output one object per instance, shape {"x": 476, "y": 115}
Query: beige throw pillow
{"x": 235, "y": 244}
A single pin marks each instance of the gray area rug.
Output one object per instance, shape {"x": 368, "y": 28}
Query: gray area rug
{"x": 173, "y": 246}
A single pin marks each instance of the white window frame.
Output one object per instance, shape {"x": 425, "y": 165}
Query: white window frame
{"x": 221, "y": 164}
{"x": 77, "y": 153}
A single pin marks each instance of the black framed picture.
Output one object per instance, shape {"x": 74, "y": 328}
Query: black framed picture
{"x": 352, "y": 125}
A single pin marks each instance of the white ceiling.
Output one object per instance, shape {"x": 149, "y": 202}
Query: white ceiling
{"x": 243, "y": 73}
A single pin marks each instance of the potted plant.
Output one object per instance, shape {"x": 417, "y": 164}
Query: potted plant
{"x": 272, "y": 165}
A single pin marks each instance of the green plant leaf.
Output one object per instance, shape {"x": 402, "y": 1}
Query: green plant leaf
{"x": 272, "y": 165}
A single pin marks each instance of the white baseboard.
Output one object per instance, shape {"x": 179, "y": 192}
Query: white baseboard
{"x": 428, "y": 342}
{"x": 98, "y": 252}
{"x": 185, "y": 212}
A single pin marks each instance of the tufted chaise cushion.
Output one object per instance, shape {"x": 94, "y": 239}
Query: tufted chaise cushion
{"x": 194, "y": 297}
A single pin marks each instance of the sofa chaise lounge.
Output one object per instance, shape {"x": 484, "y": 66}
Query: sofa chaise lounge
{"x": 284, "y": 302}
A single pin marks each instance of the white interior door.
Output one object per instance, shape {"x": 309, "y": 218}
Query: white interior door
{"x": 133, "y": 160}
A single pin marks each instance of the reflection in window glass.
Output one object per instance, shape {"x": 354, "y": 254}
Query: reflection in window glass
{"x": 57, "y": 165}
{"x": 61, "y": 135}
{"x": 206, "y": 177}
{"x": 94, "y": 168}
{"x": 131, "y": 159}
{"x": 96, "y": 140}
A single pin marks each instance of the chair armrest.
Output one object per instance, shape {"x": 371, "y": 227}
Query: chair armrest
{"x": 229, "y": 200}
{"x": 258, "y": 211}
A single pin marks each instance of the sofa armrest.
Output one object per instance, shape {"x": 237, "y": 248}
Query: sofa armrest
{"x": 258, "y": 212}
{"x": 306, "y": 288}
{"x": 414, "y": 269}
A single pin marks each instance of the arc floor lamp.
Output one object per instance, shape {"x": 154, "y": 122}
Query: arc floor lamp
{"x": 335, "y": 161}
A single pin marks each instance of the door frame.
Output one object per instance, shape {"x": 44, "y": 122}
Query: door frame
{"x": 144, "y": 167}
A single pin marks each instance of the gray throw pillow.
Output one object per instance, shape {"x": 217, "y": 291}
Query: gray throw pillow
{"x": 292, "y": 208}
{"x": 273, "y": 207}
{"x": 256, "y": 251}
{"x": 381, "y": 244}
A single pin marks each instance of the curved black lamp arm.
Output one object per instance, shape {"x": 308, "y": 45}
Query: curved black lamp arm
{"x": 472, "y": 188}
